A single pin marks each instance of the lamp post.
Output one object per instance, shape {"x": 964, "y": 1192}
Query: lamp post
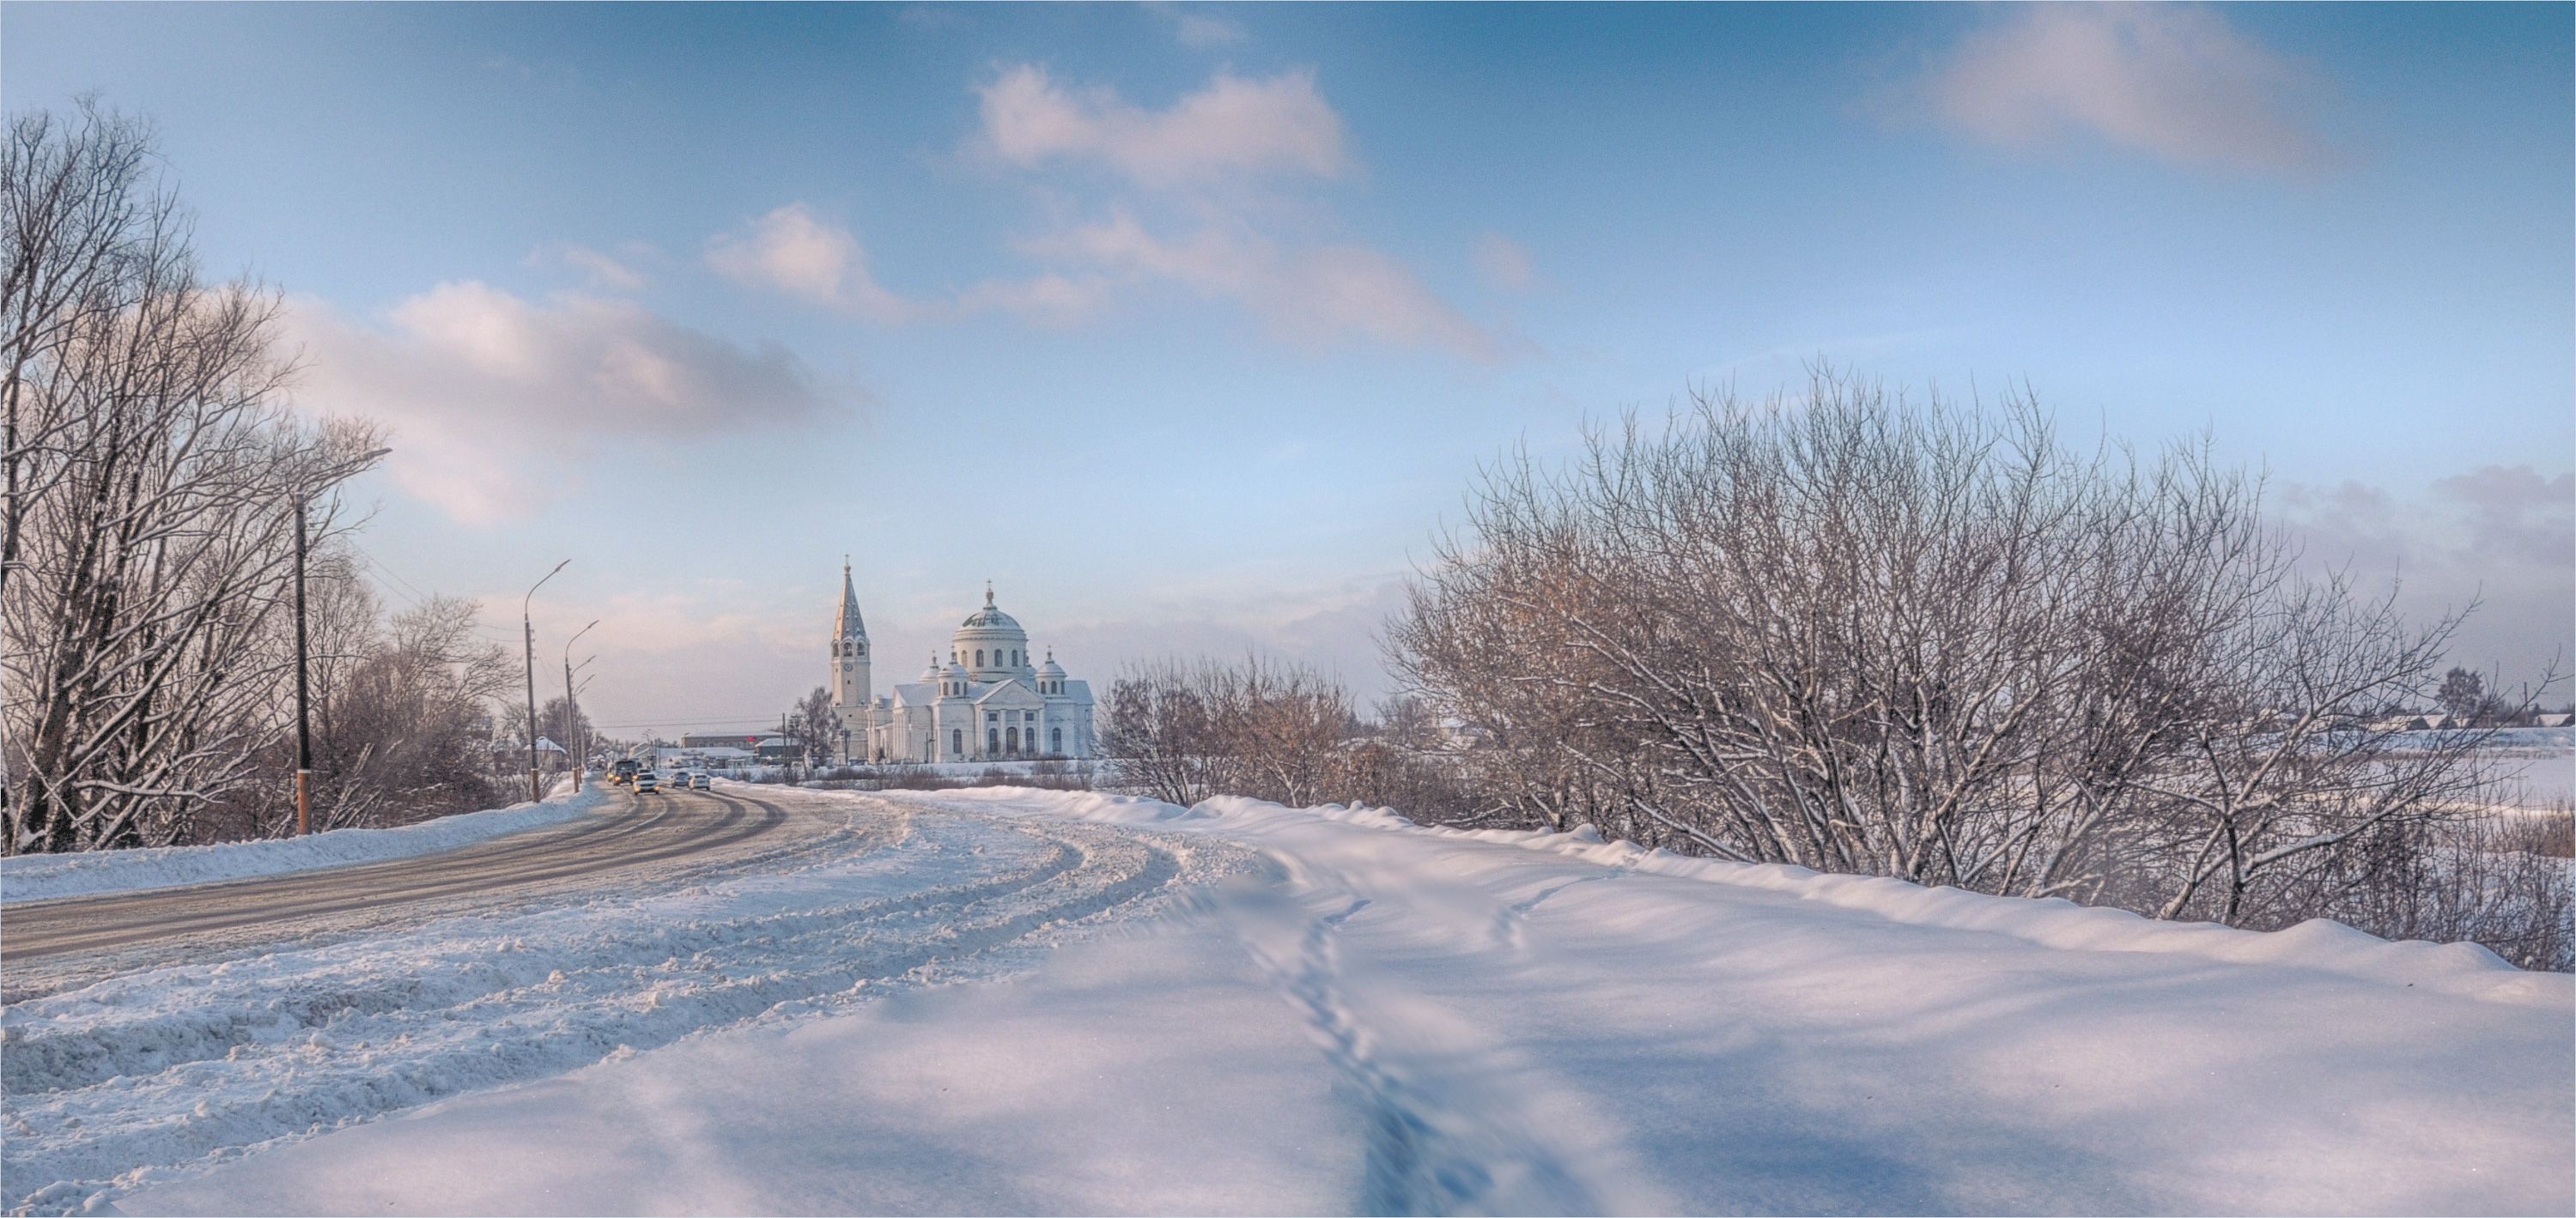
{"x": 528, "y": 629}
{"x": 572, "y": 709}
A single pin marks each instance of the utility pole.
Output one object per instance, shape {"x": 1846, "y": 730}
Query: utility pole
{"x": 302, "y": 502}
{"x": 527, "y": 627}
{"x": 572, "y": 711}
{"x": 303, "y": 696}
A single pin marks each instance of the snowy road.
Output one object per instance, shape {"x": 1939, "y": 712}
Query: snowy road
{"x": 620, "y": 934}
{"x": 1030, "y": 1002}
{"x": 654, "y": 836}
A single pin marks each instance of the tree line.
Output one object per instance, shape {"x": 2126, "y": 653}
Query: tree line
{"x": 152, "y": 478}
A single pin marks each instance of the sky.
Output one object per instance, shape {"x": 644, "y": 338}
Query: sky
{"x": 1189, "y": 326}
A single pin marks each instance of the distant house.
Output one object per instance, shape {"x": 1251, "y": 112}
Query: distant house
{"x": 2561, "y": 719}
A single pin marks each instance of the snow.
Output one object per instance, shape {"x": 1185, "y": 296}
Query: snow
{"x": 1332, "y": 1010}
{"x": 39, "y": 877}
{"x": 1070, "y": 1096}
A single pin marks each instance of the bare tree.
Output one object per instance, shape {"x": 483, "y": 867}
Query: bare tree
{"x": 152, "y": 483}
{"x": 1161, "y": 732}
{"x": 815, "y": 728}
{"x": 1183, "y": 730}
{"x": 1865, "y": 635}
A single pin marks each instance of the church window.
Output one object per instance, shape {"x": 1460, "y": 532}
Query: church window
{"x": 957, "y": 741}
{"x": 1014, "y": 739}
{"x": 992, "y": 740}
{"x": 1055, "y": 740}
{"x": 992, "y": 717}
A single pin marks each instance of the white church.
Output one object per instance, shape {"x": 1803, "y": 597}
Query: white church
{"x": 990, "y": 702}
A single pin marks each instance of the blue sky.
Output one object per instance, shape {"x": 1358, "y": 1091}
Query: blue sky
{"x": 1187, "y": 325}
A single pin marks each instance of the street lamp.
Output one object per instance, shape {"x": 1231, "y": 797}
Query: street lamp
{"x": 572, "y": 709}
{"x": 528, "y": 629}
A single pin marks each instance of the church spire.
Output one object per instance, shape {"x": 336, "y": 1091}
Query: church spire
{"x": 847, "y": 623}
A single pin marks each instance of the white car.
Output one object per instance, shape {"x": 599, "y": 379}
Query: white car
{"x": 700, "y": 782}
{"x": 646, "y": 780}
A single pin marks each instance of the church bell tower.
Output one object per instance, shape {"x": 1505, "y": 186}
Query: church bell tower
{"x": 853, "y": 698}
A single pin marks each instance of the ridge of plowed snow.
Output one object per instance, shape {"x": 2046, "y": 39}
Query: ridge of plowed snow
{"x": 2465, "y": 969}
{"x": 42, "y": 877}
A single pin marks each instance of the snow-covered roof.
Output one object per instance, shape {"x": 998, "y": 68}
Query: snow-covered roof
{"x": 1009, "y": 693}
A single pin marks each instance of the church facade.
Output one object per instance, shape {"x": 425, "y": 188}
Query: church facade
{"x": 992, "y": 700}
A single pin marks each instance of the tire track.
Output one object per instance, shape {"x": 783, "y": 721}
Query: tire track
{"x": 281, "y": 1044}
{"x": 48, "y": 945}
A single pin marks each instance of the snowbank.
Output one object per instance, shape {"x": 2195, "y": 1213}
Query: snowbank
{"x": 1153, "y": 1074}
{"x": 1300, "y": 1010}
{"x": 2466, "y": 969}
{"x": 39, "y": 877}
{"x": 1650, "y": 1032}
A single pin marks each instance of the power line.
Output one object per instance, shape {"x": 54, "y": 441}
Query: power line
{"x": 411, "y": 592}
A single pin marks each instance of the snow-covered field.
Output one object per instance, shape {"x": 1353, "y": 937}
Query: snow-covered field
{"x": 39, "y": 877}
{"x": 1004, "y": 1001}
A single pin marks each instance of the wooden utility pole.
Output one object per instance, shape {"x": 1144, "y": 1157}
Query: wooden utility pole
{"x": 303, "y": 705}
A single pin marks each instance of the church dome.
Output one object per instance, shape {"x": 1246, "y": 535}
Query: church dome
{"x": 1051, "y": 670}
{"x": 990, "y": 622}
{"x": 991, "y": 644}
{"x": 990, "y": 618}
{"x": 931, "y": 671}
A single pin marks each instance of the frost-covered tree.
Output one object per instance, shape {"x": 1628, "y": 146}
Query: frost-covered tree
{"x": 150, "y": 481}
{"x": 1912, "y": 639}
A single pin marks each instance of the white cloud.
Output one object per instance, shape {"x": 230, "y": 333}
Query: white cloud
{"x": 2176, "y": 81}
{"x": 1343, "y": 291}
{"x": 1201, "y": 30}
{"x": 795, "y": 251}
{"x": 1233, "y": 126}
{"x": 1211, "y": 167}
{"x": 2504, "y": 536}
{"x": 1314, "y": 296}
{"x": 1048, "y": 298}
{"x": 798, "y": 252}
{"x": 1504, "y": 263}
{"x": 602, "y": 271}
{"x": 478, "y": 384}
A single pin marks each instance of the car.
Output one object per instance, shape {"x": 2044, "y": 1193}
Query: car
{"x": 646, "y": 780}
{"x": 700, "y": 782}
{"x": 680, "y": 779}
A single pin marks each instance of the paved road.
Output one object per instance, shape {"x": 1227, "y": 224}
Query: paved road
{"x": 44, "y": 944}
